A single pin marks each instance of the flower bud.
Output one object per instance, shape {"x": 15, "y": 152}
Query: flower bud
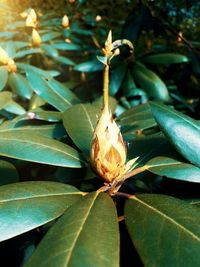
{"x": 65, "y": 21}
{"x": 31, "y": 20}
{"x": 108, "y": 150}
{"x": 11, "y": 66}
{"x": 36, "y": 40}
{"x": 4, "y": 58}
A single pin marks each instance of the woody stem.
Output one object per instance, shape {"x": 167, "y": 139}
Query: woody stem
{"x": 106, "y": 85}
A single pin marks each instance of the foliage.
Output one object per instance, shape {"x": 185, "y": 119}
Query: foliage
{"x": 55, "y": 210}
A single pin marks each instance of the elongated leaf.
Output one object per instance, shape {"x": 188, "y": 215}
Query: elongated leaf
{"x": 116, "y": 78}
{"x": 182, "y": 131}
{"x": 86, "y": 235}
{"x": 51, "y": 116}
{"x": 27, "y": 205}
{"x": 8, "y": 173}
{"x": 89, "y": 66}
{"x": 51, "y": 91}
{"x": 164, "y": 230}
{"x": 67, "y": 46}
{"x": 166, "y": 58}
{"x": 8, "y": 104}
{"x": 49, "y": 50}
{"x": 20, "y": 85}
{"x": 27, "y": 52}
{"x": 52, "y": 130}
{"x": 64, "y": 60}
{"x": 27, "y": 67}
{"x": 3, "y": 77}
{"x": 150, "y": 83}
{"x": 39, "y": 149}
{"x": 80, "y": 122}
{"x": 50, "y": 35}
{"x": 174, "y": 168}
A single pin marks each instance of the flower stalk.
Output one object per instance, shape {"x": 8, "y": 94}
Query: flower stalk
{"x": 108, "y": 150}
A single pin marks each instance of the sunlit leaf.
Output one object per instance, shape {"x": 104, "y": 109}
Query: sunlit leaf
{"x": 164, "y": 230}
{"x": 72, "y": 241}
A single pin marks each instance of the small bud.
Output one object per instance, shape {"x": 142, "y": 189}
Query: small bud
{"x": 4, "y": 58}
{"x": 98, "y": 18}
{"x": 31, "y": 20}
{"x": 36, "y": 40}
{"x": 65, "y": 21}
{"x": 108, "y": 150}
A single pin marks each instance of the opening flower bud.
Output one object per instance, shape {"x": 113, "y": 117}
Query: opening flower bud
{"x": 108, "y": 151}
{"x": 36, "y": 40}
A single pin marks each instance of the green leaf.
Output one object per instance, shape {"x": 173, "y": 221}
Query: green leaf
{"x": 8, "y": 173}
{"x": 39, "y": 149}
{"x": 86, "y": 235}
{"x": 116, "y": 78}
{"x": 27, "y": 52}
{"x": 8, "y": 104}
{"x": 67, "y": 46}
{"x": 51, "y": 130}
{"x": 20, "y": 85}
{"x": 82, "y": 128}
{"x": 27, "y": 205}
{"x": 89, "y": 66}
{"x": 3, "y": 77}
{"x": 166, "y": 58}
{"x": 150, "y": 82}
{"x": 174, "y": 168}
{"x": 51, "y": 116}
{"x": 182, "y": 131}
{"x": 27, "y": 67}
{"x": 49, "y": 50}
{"x": 50, "y": 35}
{"x": 164, "y": 230}
{"x": 64, "y": 60}
{"x": 50, "y": 90}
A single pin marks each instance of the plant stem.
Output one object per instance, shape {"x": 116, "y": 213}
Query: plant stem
{"x": 135, "y": 171}
{"x": 106, "y": 86}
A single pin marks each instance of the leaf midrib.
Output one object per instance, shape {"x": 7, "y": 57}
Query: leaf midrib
{"x": 29, "y": 142}
{"x": 88, "y": 117}
{"x": 79, "y": 232}
{"x": 176, "y": 114}
{"x": 167, "y": 218}
{"x": 40, "y": 196}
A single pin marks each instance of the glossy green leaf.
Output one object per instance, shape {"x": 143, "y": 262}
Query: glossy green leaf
{"x": 86, "y": 235}
{"x": 20, "y": 85}
{"x": 50, "y": 35}
{"x": 39, "y": 149}
{"x": 166, "y": 58}
{"x": 116, "y": 78}
{"x": 80, "y": 122}
{"x": 150, "y": 83}
{"x": 182, "y": 131}
{"x": 164, "y": 230}
{"x": 64, "y": 60}
{"x": 89, "y": 66}
{"x": 51, "y": 91}
{"x": 67, "y": 46}
{"x": 27, "y": 52}
{"x": 8, "y": 104}
{"x": 3, "y": 77}
{"x": 51, "y": 130}
{"x": 174, "y": 168}
{"x": 51, "y": 116}
{"x": 49, "y": 50}
{"x": 27, "y": 67}
{"x": 8, "y": 173}
{"x": 27, "y": 205}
